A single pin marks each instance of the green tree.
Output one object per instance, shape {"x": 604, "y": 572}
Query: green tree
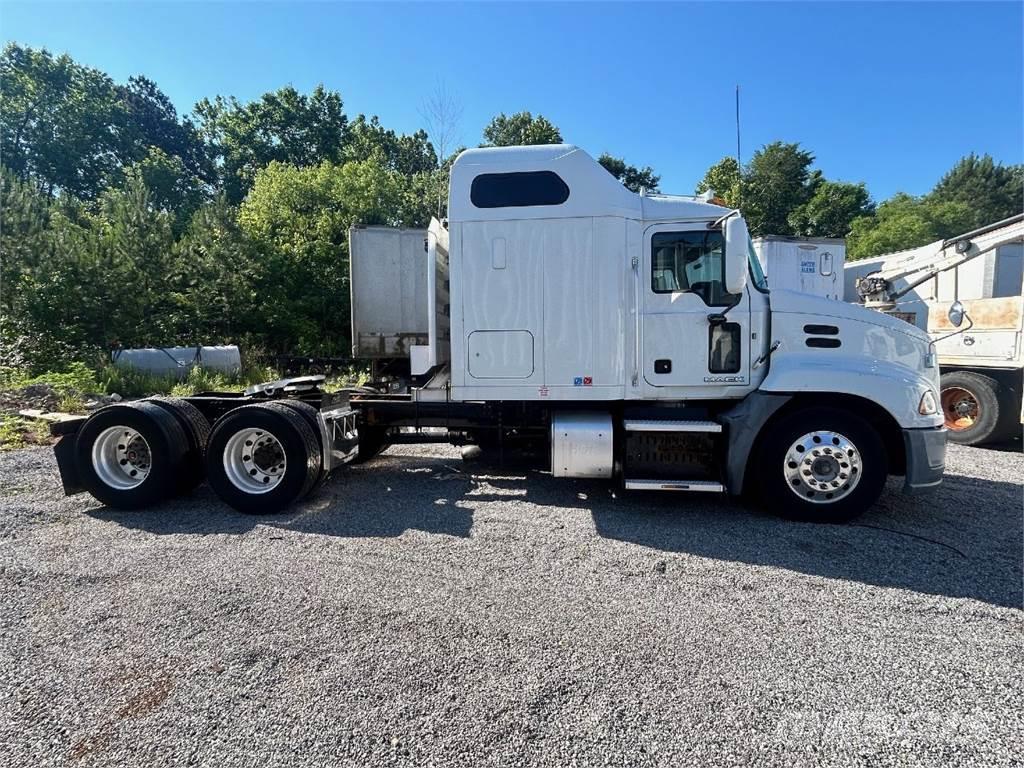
{"x": 723, "y": 179}
{"x": 211, "y": 281}
{"x": 777, "y": 180}
{"x": 831, "y": 210}
{"x": 993, "y": 191}
{"x": 407, "y": 154}
{"x": 520, "y": 129}
{"x": 61, "y": 124}
{"x": 299, "y": 219}
{"x": 284, "y": 126}
{"x": 172, "y": 188}
{"x": 904, "y": 221}
{"x": 632, "y": 177}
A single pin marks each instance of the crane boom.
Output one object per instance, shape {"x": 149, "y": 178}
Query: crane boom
{"x": 918, "y": 265}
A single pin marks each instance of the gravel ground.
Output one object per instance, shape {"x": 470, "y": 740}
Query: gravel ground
{"x": 413, "y": 614}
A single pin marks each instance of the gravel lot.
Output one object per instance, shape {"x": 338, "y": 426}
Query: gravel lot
{"x": 411, "y": 613}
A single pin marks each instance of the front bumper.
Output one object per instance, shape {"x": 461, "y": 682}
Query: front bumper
{"x": 926, "y": 458}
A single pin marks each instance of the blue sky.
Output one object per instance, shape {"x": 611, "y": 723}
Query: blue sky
{"x": 885, "y": 93}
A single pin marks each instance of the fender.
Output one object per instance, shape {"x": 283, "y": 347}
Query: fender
{"x": 895, "y": 387}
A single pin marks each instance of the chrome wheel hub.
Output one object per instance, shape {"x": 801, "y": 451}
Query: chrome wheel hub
{"x": 121, "y": 458}
{"x": 822, "y": 467}
{"x": 254, "y": 461}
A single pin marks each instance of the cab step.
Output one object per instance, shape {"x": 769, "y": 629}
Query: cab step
{"x": 709, "y": 486}
{"x": 671, "y": 425}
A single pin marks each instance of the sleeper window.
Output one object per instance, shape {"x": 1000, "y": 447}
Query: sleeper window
{"x": 692, "y": 262}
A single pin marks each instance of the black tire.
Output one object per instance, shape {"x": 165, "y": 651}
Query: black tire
{"x": 300, "y": 445}
{"x": 197, "y": 429}
{"x": 776, "y": 491}
{"x": 312, "y": 418}
{"x": 972, "y": 405}
{"x": 1009, "y": 427}
{"x": 168, "y": 447}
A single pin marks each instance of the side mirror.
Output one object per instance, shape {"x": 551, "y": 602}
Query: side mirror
{"x": 956, "y": 314}
{"x": 736, "y": 245}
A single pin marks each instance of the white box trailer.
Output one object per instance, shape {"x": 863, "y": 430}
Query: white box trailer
{"x": 811, "y": 265}
{"x": 606, "y": 333}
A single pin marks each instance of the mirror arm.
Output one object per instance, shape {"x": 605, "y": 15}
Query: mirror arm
{"x": 970, "y": 321}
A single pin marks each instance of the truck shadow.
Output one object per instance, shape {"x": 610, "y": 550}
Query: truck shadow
{"x": 383, "y": 499}
{"x": 963, "y": 540}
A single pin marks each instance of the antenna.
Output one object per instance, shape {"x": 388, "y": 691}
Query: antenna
{"x": 739, "y": 162}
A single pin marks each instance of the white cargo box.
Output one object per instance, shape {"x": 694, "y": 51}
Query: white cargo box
{"x": 389, "y": 291}
{"x": 807, "y": 264}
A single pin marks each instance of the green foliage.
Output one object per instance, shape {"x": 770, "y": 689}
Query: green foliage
{"x": 632, "y": 177}
{"x": 519, "y": 129}
{"x": 132, "y": 382}
{"x": 284, "y": 126}
{"x": 301, "y": 218}
{"x": 17, "y": 432}
{"x": 991, "y": 190}
{"x": 723, "y": 179}
{"x": 903, "y": 222}
{"x": 60, "y": 122}
{"x": 777, "y": 180}
{"x": 780, "y": 194}
{"x": 71, "y": 129}
{"x": 831, "y": 210}
{"x": 76, "y": 378}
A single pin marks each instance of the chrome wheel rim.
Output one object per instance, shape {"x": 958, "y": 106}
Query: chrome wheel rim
{"x": 254, "y": 461}
{"x": 121, "y": 458}
{"x": 822, "y": 467}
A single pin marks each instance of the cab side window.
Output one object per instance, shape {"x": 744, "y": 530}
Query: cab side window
{"x": 690, "y": 262}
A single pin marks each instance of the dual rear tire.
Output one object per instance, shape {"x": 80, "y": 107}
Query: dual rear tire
{"x": 262, "y": 458}
{"x": 258, "y": 458}
{"x": 132, "y": 455}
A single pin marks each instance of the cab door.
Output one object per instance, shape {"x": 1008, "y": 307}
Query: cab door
{"x": 695, "y": 337}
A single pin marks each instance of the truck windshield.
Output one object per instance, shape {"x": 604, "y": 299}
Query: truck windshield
{"x": 756, "y": 273}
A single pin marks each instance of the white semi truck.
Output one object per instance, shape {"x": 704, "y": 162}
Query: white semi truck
{"x": 613, "y": 335}
{"x": 982, "y": 365}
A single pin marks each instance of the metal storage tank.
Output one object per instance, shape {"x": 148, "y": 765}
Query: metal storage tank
{"x": 807, "y": 264}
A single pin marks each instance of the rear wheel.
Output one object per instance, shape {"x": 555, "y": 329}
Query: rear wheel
{"x": 262, "y": 458}
{"x": 821, "y": 465}
{"x": 197, "y": 430}
{"x": 312, "y": 417}
{"x": 972, "y": 407}
{"x": 131, "y": 455}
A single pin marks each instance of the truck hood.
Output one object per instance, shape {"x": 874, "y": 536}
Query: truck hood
{"x": 805, "y": 303}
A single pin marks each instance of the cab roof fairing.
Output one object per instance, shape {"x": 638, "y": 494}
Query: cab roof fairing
{"x": 592, "y": 190}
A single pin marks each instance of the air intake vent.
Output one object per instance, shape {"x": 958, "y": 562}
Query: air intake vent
{"x": 821, "y": 330}
{"x": 816, "y": 341}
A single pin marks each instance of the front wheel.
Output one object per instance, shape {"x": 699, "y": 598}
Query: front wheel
{"x": 821, "y": 465}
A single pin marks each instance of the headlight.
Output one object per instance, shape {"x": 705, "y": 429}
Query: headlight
{"x": 927, "y": 406}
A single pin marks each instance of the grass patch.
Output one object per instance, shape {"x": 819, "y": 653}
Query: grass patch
{"x": 129, "y": 382}
{"x": 356, "y": 376}
{"x": 78, "y": 377}
{"x": 18, "y": 432}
